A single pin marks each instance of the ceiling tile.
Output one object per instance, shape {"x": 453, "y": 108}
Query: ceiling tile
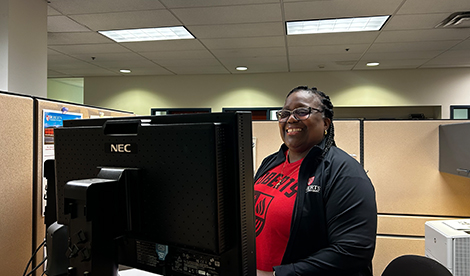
{"x": 126, "y": 20}
{"x": 455, "y": 58}
{"x": 433, "y": 6}
{"x": 168, "y": 63}
{"x": 64, "y": 24}
{"x": 392, "y": 64}
{"x": 252, "y": 42}
{"x": 237, "y": 30}
{"x": 164, "y": 55}
{"x": 70, "y": 7}
{"x": 400, "y": 55}
{"x": 423, "y": 35}
{"x": 338, "y": 9}
{"x": 414, "y": 21}
{"x": 332, "y": 39}
{"x": 250, "y": 52}
{"x": 165, "y": 45}
{"x": 232, "y": 14}
{"x": 184, "y": 70}
{"x": 76, "y": 38}
{"x": 328, "y": 49}
{"x": 412, "y": 46}
{"x": 91, "y": 49}
{"x": 207, "y": 3}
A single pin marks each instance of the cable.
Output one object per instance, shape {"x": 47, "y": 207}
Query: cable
{"x": 32, "y": 257}
{"x": 38, "y": 266}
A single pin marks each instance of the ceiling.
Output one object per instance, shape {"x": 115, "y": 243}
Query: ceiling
{"x": 231, "y": 33}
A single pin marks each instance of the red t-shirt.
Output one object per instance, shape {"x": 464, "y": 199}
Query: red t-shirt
{"x": 275, "y": 194}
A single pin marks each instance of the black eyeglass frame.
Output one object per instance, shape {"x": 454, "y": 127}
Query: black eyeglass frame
{"x": 284, "y": 119}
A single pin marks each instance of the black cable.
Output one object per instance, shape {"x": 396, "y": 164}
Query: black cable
{"x": 36, "y": 268}
{"x": 32, "y": 257}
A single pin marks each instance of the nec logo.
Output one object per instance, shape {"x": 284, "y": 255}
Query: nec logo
{"x": 129, "y": 148}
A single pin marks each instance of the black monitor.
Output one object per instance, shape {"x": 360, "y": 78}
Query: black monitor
{"x": 170, "y": 194}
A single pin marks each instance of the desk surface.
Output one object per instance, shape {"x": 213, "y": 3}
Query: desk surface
{"x": 136, "y": 272}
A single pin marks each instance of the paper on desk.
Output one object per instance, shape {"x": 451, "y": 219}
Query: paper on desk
{"x": 136, "y": 272}
{"x": 459, "y": 224}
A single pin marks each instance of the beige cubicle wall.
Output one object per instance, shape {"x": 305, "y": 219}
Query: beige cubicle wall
{"x": 401, "y": 157}
{"x": 402, "y": 160}
{"x": 16, "y": 176}
{"x": 43, "y": 104}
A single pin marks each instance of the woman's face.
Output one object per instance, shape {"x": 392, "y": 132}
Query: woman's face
{"x": 301, "y": 136}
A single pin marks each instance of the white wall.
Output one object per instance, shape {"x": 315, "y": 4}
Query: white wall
{"x": 138, "y": 94}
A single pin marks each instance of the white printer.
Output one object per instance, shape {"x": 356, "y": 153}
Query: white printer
{"x": 448, "y": 242}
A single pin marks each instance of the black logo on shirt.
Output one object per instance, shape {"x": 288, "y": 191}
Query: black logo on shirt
{"x": 262, "y": 202}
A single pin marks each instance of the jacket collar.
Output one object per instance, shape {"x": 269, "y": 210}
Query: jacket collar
{"x": 315, "y": 153}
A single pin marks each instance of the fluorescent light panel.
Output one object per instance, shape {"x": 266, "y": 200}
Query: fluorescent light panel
{"x": 339, "y": 25}
{"x": 148, "y": 34}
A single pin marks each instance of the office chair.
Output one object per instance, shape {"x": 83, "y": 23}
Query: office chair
{"x": 415, "y": 265}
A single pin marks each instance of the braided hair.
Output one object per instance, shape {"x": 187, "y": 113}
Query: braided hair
{"x": 327, "y": 110}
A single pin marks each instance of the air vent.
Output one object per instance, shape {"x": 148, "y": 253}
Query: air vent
{"x": 456, "y": 20}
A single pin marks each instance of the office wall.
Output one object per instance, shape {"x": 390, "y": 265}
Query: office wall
{"x": 347, "y": 88}
{"x": 65, "y": 89}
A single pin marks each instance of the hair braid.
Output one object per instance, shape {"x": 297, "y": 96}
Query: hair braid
{"x": 327, "y": 108}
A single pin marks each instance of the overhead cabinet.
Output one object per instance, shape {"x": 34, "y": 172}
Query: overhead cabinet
{"x": 454, "y": 149}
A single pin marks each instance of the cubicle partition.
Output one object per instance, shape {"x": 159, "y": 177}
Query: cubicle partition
{"x": 23, "y": 138}
{"x": 16, "y": 177}
{"x": 402, "y": 159}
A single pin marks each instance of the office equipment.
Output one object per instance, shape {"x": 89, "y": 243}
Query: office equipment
{"x": 454, "y": 149}
{"x": 448, "y": 242}
{"x": 171, "y": 195}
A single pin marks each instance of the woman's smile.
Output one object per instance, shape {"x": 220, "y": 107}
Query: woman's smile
{"x": 293, "y": 131}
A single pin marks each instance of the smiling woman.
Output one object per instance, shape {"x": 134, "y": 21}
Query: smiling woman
{"x": 315, "y": 206}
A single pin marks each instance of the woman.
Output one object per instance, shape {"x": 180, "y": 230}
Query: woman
{"x": 315, "y": 206}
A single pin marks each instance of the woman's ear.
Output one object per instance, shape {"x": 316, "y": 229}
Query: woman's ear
{"x": 327, "y": 123}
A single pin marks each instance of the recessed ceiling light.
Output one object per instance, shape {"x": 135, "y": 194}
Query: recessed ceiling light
{"x": 371, "y": 64}
{"x": 148, "y": 34}
{"x": 242, "y": 68}
{"x": 338, "y": 25}
{"x": 125, "y": 71}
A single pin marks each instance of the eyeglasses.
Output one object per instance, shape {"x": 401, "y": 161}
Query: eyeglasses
{"x": 300, "y": 113}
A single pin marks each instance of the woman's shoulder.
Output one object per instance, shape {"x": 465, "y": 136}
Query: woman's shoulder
{"x": 339, "y": 155}
{"x": 339, "y": 160}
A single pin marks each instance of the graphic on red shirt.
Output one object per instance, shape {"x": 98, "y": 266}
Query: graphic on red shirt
{"x": 262, "y": 202}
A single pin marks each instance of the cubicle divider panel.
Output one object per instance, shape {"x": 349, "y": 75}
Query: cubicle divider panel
{"x": 402, "y": 160}
{"x": 16, "y": 178}
{"x": 268, "y": 140}
{"x": 348, "y": 137}
{"x": 44, "y": 105}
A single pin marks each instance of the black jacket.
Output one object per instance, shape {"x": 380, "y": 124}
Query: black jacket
{"x": 333, "y": 231}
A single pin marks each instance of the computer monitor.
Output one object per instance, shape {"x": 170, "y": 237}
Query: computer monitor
{"x": 170, "y": 194}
